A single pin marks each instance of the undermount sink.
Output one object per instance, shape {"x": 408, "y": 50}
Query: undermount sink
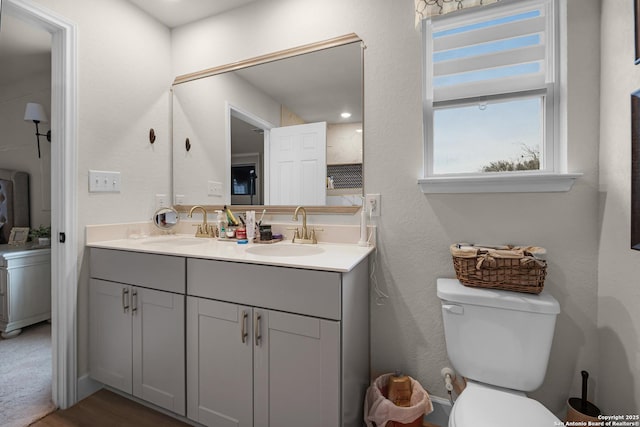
{"x": 284, "y": 250}
{"x": 174, "y": 241}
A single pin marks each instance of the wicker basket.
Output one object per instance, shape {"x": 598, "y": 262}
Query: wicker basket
{"x": 507, "y": 268}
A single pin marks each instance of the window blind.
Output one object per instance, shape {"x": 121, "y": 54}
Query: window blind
{"x": 506, "y": 50}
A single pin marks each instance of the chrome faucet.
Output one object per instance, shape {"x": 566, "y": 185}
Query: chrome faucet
{"x": 303, "y": 237}
{"x": 204, "y": 230}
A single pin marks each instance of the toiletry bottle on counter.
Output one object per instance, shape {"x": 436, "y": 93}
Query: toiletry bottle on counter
{"x": 221, "y": 224}
{"x": 251, "y": 225}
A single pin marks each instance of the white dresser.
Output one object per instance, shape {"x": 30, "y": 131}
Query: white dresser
{"x": 25, "y": 287}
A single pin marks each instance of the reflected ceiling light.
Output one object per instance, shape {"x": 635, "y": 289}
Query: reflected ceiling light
{"x": 345, "y": 115}
{"x": 359, "y": 130}
{"x": 35, "y": 113}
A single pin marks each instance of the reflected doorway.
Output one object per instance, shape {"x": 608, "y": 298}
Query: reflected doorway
{"x": 247, "y": 159}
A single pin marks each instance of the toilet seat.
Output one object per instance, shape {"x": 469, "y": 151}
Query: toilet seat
{"x": 482, "y": 405}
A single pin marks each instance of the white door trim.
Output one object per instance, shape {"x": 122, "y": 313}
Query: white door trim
{"x": 64, "y": 259}
{"x": 249, "y": 117}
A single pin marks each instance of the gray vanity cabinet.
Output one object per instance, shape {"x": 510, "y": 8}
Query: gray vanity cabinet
{"x": 276, "y": 347}
{"x": 255, "y": 367}
{"x": 137, "y": 325}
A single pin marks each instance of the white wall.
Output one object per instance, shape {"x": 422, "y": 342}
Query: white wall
{"x": 123, "y": 90}
{"x": 18, "y": 145}
{"x": 200, "y": 114}
{"x": 415, "y": 230}
{"x": 125, "y": 74}
{"x": 618, "y": 266}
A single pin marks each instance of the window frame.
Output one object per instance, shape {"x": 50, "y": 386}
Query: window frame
{"x": 553, "y": 175}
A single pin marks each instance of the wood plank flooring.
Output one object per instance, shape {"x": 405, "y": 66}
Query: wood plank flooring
{"x": 107, "y": 409}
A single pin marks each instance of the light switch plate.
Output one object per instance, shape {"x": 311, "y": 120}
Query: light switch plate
{"x": 162, "y": 201}
{"x": 104, "y": 182}
{"x": 214, "y": 188}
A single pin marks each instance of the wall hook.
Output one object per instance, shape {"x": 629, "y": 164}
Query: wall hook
{"x": 152, "y": 135}
{"x": 187, "y": 144}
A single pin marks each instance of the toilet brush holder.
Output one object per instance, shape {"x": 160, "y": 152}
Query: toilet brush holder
{"x": 579, "y": 408}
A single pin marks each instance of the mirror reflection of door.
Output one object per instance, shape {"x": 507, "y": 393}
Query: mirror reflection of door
{"x": 298, "y": 164}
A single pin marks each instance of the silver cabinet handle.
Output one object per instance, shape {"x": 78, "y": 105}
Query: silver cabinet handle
{"x": 134, "y": 301}
{"x": 125, "y": 299}
{"x": 243, "y": 326}
{"x": 258, "y": 329}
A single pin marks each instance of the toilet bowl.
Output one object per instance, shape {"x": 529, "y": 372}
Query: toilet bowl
{"x": 500, "y": 341}
{"x": 483, "y": 405}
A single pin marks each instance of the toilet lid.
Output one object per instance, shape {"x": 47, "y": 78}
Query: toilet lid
{"x": 485, "y": 406}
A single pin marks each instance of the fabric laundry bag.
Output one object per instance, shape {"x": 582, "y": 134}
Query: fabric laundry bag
{"x": 378, "y": 410}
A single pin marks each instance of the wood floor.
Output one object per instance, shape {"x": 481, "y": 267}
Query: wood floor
{"x": 107, "y": 409}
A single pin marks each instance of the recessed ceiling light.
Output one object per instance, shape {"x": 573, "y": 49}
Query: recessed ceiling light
{"x": 359, "y": 130}
{"x": 345, "y": 115}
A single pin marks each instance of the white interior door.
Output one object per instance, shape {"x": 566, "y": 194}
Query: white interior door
{"x": 298, "y": 165}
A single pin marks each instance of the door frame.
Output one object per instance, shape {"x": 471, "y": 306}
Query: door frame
{"x": 64, "y": 259}
{"x": 258, "y": 122}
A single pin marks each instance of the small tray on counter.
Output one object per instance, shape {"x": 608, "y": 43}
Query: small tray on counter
{"x": 268, "y": 241}
{"x": 234, "y": 239}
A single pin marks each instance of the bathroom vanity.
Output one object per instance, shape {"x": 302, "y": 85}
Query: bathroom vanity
{"x": 224, "y": 336}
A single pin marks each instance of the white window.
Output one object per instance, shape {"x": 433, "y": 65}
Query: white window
{"x": 491, "y": 98}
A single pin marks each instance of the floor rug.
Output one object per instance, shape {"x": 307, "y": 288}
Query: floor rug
{"x": 25, "y": 376}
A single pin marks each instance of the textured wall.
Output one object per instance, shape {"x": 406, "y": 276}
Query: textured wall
{"x": 18, "y": 148}
{"x": 123, "y": 90}
{"x": 619, "y": 266}
{"x": 124, "y": 76}
{"x": 26, "y": 78}
{"x": 415, "y": 230}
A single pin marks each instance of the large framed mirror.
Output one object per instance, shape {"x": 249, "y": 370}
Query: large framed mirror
{"x": 280, "y": 130}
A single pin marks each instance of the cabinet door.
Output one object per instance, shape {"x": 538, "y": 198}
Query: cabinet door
{"x": 158, "y": 348}
{"x": 110, "y": 337}
{"x": 219, "y": 363}
{"x": 296, "y": 370}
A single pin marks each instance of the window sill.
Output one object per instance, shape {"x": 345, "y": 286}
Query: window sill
{"x": 521, "y": 183}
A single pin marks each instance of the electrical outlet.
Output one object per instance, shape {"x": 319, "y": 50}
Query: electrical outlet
{"x": 179, "y": 199}
{"x": 372, "y": 202}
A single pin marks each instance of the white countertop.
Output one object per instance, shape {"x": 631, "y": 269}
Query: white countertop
{"x": 339, "y": 257}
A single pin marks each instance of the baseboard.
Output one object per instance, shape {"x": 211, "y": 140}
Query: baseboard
{"x": 87, "y": 386}
{"x": 441, "y": 410}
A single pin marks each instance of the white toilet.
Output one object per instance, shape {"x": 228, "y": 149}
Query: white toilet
{"x": 500, "y": 341}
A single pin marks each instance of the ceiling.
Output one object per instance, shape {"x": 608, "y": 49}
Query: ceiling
{"x": 24, "y": 47}
{"x": 174, "y": 13}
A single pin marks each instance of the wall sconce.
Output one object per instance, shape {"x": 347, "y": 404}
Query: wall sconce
{"x": 35, "y": 113}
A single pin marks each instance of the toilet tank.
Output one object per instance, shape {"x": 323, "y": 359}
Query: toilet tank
{"x": 498, "y": 337}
